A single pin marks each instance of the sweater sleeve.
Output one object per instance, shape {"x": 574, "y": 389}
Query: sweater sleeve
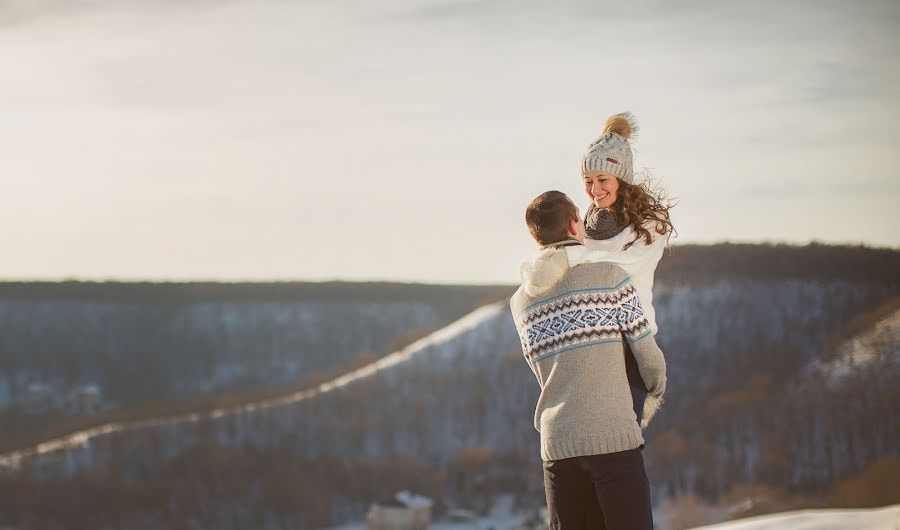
{"x": 636, "y": 329}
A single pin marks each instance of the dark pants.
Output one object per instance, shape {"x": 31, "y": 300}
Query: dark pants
{"x": 635, "y": 381}
{"x": 602, "y": 492}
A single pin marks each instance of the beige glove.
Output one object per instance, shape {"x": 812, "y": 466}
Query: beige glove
{"x": 651, "y": 405}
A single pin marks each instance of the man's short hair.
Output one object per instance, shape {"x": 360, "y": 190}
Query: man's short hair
{"x": 548, "y": 216}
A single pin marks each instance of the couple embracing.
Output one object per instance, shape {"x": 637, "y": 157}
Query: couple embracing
{"x": 585, "y": 318}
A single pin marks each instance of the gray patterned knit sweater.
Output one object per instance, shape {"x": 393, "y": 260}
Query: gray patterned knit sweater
{"x": 571, "y": 319}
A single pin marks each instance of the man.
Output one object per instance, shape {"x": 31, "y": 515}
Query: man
{"x": 572, "y": 317}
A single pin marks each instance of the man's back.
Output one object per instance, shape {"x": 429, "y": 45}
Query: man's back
{"x": 571, "y": 337}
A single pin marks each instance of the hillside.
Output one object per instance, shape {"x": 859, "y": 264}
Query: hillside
{"x": 151, "y": 349}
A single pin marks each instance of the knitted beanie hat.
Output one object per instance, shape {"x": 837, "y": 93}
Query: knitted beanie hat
{"x": 611, "y": 152}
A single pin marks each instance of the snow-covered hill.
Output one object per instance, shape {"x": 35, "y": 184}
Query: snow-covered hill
{"x": 466, "y": 385}
{"x": 451, "y": 415}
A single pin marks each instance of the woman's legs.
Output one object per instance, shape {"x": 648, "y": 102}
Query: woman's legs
{"x": 571, "y": 499}
{"x": 622, "y": 489}
{"x": 636, "y": 382}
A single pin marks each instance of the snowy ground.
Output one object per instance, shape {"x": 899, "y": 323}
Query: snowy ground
{"x": 887, "y": 518}
{"x": 502, "y": 516}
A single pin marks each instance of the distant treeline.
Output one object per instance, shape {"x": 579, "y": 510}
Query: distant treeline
{"x": 680, "y": 263}
{"x": 282, "y": 291}
{"x": 691, "y": 263}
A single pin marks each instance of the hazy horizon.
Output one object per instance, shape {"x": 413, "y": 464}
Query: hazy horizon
{"x": 254, "y": 140}
{"x": 249, "y": 280}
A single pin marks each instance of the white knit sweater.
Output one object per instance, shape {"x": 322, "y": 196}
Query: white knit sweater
{"x": 639, "y": 261}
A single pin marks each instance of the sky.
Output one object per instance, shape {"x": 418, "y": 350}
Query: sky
{"x": 402, "y": 139}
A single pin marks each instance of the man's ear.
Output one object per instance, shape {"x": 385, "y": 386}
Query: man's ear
{"x": 573, "y": 227}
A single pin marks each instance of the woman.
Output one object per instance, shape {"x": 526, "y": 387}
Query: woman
{"x": 626, "y": 223}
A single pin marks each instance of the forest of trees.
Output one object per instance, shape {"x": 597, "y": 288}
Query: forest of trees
{"x": 152, "y": 348}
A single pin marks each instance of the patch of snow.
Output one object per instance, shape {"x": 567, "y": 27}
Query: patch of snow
{"x": 882, "y": 338}
{"x": 411, "y": 500}
{"x": 502, "y": 516}
{"x": 887, "y": 518}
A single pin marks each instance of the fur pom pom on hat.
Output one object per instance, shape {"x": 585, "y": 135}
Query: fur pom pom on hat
{"x": 611, "y": 152}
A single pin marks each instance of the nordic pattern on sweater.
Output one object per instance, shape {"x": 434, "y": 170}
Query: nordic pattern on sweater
{"x": 582, "y": 318}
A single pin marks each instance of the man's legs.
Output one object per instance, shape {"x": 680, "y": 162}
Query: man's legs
{"x": 572, "y": 503}
{"x": 622, "y": 489}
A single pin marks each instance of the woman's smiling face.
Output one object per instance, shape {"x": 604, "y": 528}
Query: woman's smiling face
{"x": 602, "y": 188}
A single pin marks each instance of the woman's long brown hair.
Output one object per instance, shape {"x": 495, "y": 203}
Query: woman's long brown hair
{"x": 638, "y": 203}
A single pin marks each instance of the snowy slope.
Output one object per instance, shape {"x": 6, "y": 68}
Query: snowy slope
{"x": 880, "y": 342}
{"x": 887, "y": 518}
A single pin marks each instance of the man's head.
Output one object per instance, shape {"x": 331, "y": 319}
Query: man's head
{"x": 553, "y": 217}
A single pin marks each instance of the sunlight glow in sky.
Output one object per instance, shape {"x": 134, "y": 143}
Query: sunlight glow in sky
{"x": 402, "y": 139}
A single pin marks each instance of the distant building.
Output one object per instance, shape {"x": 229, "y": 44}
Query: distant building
{"x": 403, "y": 511}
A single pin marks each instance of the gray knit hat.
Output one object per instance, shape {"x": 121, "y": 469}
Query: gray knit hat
{"x": 611, "y": 152}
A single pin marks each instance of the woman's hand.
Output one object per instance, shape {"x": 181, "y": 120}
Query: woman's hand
{"x": 651, "y": 405}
